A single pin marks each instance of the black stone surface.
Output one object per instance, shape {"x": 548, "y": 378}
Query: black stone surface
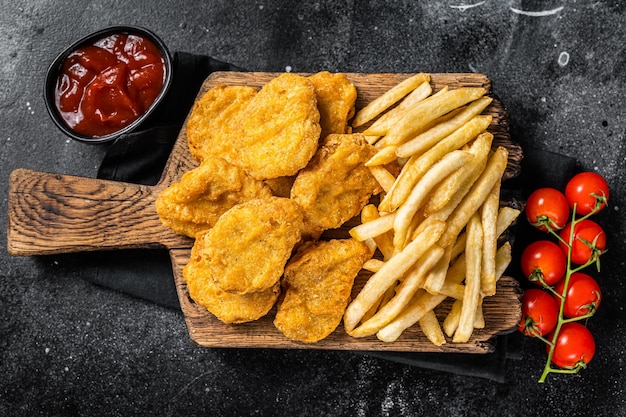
{"x": 71, "y": 347}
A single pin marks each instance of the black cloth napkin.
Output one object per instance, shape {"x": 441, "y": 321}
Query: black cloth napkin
{"x": 140, "y": 158}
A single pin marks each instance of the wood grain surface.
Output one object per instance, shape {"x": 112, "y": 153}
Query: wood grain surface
{"x": 53, "y": 213}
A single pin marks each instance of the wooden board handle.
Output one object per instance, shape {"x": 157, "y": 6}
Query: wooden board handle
{"x": 53, "y": 213}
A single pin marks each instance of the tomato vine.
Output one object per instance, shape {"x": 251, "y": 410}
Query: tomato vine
{"x": 569, "y": 345}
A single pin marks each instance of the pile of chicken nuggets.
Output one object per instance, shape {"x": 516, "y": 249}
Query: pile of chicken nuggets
{"x": 277, "y": 167}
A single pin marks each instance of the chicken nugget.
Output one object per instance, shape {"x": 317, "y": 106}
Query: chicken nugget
{"x": 336, "y": 184}
{"x": 248, "y": 247}
{"x": 227, "y": 307}
{"x": 203, "y": 194}
{"x": 279, "y": 128}
{"x": 316, "y": 288}
{"x": 336, "y": 96}
{"x": 209, "y": 128}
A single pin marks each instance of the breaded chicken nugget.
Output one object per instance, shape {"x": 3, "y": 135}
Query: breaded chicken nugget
{"x": 248, "y": 247}
{"x": 227, "y": 307}
{"x": 336, "y": 96}
{"x": 316, "y": 288}
{"x": 336, "y": 184}
{"x": 279, "y": 128}
{"x": 209, "y": 130}
{"x": 205, "y": 193}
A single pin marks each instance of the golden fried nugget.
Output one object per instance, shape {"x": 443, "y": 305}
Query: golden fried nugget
{"x": 205, "y": 193}
{"x": 279, "y": 128}
{"x": 227, "y": 307}
{"x": 336, "y": 96}
{"x": 336, "y": 184}
{"x": 209, "y": 129}
{"x": 248, "y": 247}
{"x": 317, "y": 286}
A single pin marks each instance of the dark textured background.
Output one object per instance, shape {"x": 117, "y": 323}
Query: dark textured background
{"x": 69, "y": 347}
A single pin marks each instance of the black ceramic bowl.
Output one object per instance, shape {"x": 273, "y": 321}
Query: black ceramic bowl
{"x": 53, "y": 74}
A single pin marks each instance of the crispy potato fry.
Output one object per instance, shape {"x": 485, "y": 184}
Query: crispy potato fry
{"x": 429, "y": 138}
{"x": 451, "y": 322}
{"x": 373, "y": 265}
{"x": 416, "y": 167}
{"x": 489, "y": 220}
{"x": 431, "y": 328}
{"x": 382, "y": 127}
{"x": 404, "y": 293}
{"x": 384, "y": 241}
{"x": 479, "y": 318}
{"x": 471, "y": 298}
{"x": 383, "y": 176}
{"x": 444, "y": 167}
{"x": 474, "y": 199}
{"x": 428, "y": 110}
{"x": 454, "y": 187}
{"x": 437, "y": 276}
{"x": 417, "y": 308}
{"x": 506, "y": 217}
{"x": 392, "y": 271}
{"x": 373, "y": 228}
{"x": 453, "y": 290}
{"x": 389, "y": 98}
{"x": 384, "y": 156}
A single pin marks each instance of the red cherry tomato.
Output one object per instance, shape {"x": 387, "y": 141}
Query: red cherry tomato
{"x": 543, "y": 260}
{"x": 547, "y": 207}
{"x": 589, "y": 241}
{"x": 575, "y": 344}
{"x": 589, "y": 191}
{"x": 539, "y": 313}
{"x": 583, "y": 295}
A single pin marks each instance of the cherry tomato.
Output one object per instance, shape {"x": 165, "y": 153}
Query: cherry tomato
{"x": 547, "y": 207}
{"x": 589, "y": 241}
{"x": 575, "y": 345}
{"x": 539, "y": 313}
{"x": 543, "y": 260}
{"x": 583, "y": 295}
{"x": 589, "y": 191}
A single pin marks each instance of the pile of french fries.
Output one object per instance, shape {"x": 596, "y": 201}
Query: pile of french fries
{"x": 438, "y": 221}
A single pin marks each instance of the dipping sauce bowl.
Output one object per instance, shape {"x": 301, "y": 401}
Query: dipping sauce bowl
{"x": 108, "y": 83}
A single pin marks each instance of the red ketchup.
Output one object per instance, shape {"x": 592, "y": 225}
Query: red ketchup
{"x": 106, "y": 86}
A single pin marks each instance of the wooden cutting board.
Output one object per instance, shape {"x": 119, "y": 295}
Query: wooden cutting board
{"x": 53, "y": 213}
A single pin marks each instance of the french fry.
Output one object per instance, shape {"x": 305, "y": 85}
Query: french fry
{"x": 459, "y": 182}
{"x": 437, "y": 276}
{"x": 471, "y": 298}
{"x": 506, "y": 217}
{"x": 452, "y": 290}
{"x": 404, "y": 293}
{"x": 389, "y": 98}
{"x": 417, "y": 308}
{"x": 383, "y": 176}
{"x": 373, "y": 228}
{"x": 391, "y": 272}
{"x": 384, "y": 241}
{"x": 416, "y": 167}
{"x": 431, "y": 328}
{"x": 384, "y": 156}
{"x": 382, "y": 124}
{"x": 489, "y": 220}
{"x": 474, "y": 199}
{"x": 451, "y": 322}
{"x": 428, "y": 110}
{"x": 430, "y": 137}
{"x": 384, "y": 299}
{"x": 479, "y": 318}
{"x": 373, "y": 265}
{"x": 440, "y": 170}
